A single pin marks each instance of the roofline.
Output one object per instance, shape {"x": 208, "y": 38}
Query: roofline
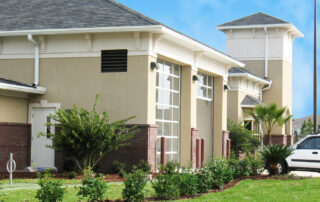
{"x": 290, "y": 26}
{"x": 31, "y": 90}
{"x": 250, "y": 76}
{"x": 247, "y": 106}
{"x": 149, "y": 28}
{"x": 202, "y": 47}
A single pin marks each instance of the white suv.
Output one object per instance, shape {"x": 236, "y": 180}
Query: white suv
{"x": 306, "y": 155}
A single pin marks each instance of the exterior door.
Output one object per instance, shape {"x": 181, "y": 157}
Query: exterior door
{"x": 41, "y": 156}
{"x": 306, "y": 155}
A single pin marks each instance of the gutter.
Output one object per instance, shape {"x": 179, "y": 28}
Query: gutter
{"x": 24, "y": 89}
{"x": 36, "y": 60}
{"x": 266, "y": 53}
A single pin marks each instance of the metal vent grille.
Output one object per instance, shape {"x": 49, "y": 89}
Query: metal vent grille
{"x": 114, "y": 60}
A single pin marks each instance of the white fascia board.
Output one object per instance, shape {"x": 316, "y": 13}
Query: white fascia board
{"x": 247, "y": 106}
{"x": 150, "y": 28}
{"x": 249, "y": 76}
{"x": 199, "y": 47}
{"x": 11, "y": 87}
{"x": 290, "y": 27}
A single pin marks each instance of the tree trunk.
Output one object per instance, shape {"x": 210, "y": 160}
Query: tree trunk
{"x": 270, "y": 139}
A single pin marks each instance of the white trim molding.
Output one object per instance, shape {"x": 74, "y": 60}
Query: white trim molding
{"x": 24, "y": 89}
{"x": 41, "y": 104}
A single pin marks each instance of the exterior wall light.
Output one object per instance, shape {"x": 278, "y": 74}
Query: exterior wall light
{"x": 154, "y": 65}
{"x": 195, "y": 78}
{"x": 226, "y": 87}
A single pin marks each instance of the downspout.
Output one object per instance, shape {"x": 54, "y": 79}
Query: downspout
{"x": 266, "y": 53}
{"x": 36, "y": 60}
{"x": 260, "y": 124}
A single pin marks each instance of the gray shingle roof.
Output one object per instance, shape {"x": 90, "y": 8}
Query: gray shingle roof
{"x": 250, "y": 101}
{"x": 16, "y": 83}
{"x": 62, "y": 14}
{"x": 255, "y": 19}
{"x": 239, "y": 70}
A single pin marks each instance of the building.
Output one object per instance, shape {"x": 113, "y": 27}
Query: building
{"x": 264, "y": 44}
{"x": 54, "y": 54}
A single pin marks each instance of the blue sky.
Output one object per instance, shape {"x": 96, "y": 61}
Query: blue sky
{"x": 199, "y": 18}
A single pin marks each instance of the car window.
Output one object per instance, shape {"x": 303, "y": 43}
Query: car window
{"x": 310, "y": 143}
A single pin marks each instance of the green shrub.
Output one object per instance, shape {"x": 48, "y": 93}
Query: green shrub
{"x": 134, "y": 185}
{"x": 117, "y": 167}
{"x": 166, "y": 186}
{"x": 188, "y": 183}
{"x": 204, "y": 180}
{"x": 73, "y": 174}
{"x": 50, "y": 190}
{"x": 93, "y": 187}
{"x": 256, "y": 164}
{"x": 237, "y": 170}
{"x": 245, "y": 166}
{"x": 242, "y": 139}
{"x": 171, "y": 167}
{"x": 144, "y": 165}
{"x": 221, "y": 172}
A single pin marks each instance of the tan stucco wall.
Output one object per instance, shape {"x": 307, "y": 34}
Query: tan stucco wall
{"x": 280, "y": 72}
{"x": 188, "y": 112}
{"x": 72, "y": 81}
{"x": 205, "y": 125}
{"x": 13, "y": 109}
{"x": 219, "y": 115}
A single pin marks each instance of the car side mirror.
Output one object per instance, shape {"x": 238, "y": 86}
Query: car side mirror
{"x": 298, "y": 146}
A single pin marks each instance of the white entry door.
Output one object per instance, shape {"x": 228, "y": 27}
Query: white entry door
{"x": 41, "y": 156}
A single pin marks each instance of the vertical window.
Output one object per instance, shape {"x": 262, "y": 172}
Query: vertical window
{"x": 205, "y": 87}
{"x": 168, "y": 108}
{"x": 114, "y": 60}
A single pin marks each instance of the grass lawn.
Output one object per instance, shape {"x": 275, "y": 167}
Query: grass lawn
{"x": 247, "y": 190}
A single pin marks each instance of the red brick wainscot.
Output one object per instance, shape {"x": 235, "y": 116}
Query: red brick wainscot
{"x": 141, "y": 146}
{"x": 279, "y": 139}
{"x": 15, "y": 138}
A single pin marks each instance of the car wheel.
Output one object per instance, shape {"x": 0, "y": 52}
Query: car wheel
{"x": 283, "y": 168}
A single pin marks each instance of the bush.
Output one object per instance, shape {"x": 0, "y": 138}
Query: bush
{"x": 134, "y": 185}
{"x": 204, "y": 180}
{"x": 68, "y": 165}
{"x": 73, "y": 175}
{"x": 242, "y": 139}
{"x": 188, "y": 183}
{"x": 117, "y": 167}
{"x": 50, "y": 190}
{"x": 221, "y": 172}
{"x": 166, "y": 186}
{"x": 245, "y": 166}
{"x": 171, "y": 167}
{"x": 144, "y": 165}
{"x": 256, "y": 164}
{"x": 237, "y": 170}
{"x": 93, "y": 187}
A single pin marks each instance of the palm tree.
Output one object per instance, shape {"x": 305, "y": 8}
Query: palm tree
{"x": 270, "y": 116}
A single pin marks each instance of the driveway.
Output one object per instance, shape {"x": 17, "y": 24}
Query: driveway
{"x": 305, "y": 174}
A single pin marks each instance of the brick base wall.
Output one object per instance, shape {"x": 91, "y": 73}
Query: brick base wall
{"x": 225, "y": 137}
{"x": 15, "y": 138}
{"x": 279, "y": 139}
{"x": 194, "y": 137}
{"x": 141, "y": 146}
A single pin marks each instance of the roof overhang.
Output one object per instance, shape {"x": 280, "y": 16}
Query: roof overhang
{"x": 200, "y": 47}
{"x": 250, "y": 77}
{"x": 289, "y": 26}
{"x": 23, "y": 89}
{"x": 149, "y": 28}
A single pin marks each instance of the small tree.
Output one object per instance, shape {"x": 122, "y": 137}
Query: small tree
{"x": 270, "y": 116}
{"x": 307, "y": 128}
{"x": 242, "y": 139}
{"x": 86, "y": 136}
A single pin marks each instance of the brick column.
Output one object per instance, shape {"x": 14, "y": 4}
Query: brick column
{"x": 202, "y": 151}
{"x": 163, "y": 151}
{"x": 194, "y": 137}
{"x": 225, "y": 137}
{"x": 198, "y": 151}
{"x": 290, "y": 139}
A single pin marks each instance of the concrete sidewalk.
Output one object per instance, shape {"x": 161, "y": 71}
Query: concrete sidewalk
{"x": 305, "y": 173}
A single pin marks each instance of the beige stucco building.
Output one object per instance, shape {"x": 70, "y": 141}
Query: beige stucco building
{"x": 174, "y": 85}
{"x": 264, "y": 44}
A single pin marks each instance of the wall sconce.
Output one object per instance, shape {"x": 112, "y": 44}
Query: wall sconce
{"x": 195, "y": 78}
{"x": 226, "y": 87}
{"x": 154, "y": 65}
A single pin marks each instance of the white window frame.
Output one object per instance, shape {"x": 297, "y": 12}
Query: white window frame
{"x": 207, "y": 87}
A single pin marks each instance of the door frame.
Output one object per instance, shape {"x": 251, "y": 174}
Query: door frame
{"x": 43, "y": 104}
